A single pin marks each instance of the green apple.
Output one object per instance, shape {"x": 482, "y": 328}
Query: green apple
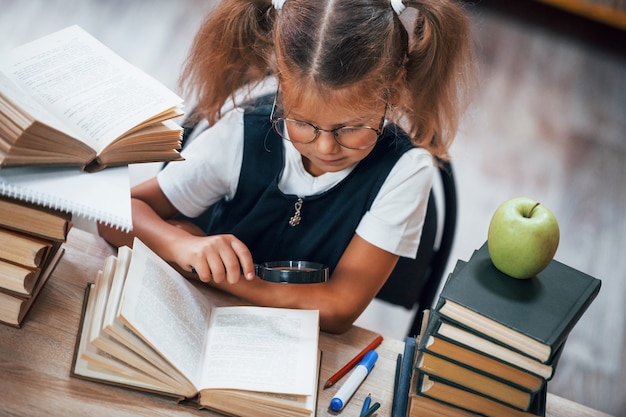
{"x": 523, "y": 237}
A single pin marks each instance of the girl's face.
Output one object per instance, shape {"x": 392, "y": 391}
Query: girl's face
{"x": 325, "y": 153}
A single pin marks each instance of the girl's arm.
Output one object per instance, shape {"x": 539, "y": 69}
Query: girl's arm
{"x": 217, "y": 258}
{"x": 359, "y": 275}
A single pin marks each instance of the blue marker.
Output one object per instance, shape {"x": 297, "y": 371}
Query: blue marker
{"x": 359, "y": 373}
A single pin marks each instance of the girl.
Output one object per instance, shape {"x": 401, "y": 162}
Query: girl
{"x": 320, "y": 170}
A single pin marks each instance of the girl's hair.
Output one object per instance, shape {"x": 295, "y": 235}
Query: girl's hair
{"x": 356, "y": 46}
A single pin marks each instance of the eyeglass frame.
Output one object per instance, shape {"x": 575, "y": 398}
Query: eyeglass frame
{"x": 274, "y": 120}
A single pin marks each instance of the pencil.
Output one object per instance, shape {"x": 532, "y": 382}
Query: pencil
{"x": 340, "y": 373}
{"x": 371, "y": 410}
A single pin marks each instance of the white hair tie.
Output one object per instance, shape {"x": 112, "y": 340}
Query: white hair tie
{"x": 278, "y": 4}
{"x": 397, "y": 6}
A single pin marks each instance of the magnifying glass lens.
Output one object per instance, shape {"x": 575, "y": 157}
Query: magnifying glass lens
{"x": 292, "y": 272}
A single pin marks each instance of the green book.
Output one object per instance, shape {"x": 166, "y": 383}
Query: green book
{"x": 533, "y": 316}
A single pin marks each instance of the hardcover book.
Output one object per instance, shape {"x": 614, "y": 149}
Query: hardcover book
{"x": 23, "y": 249}
{"x": 533, "y": 316}
{"x": 470, "y": 349}
{"x": 21, "y": 281}
{"x": 452, "y": 395}
{"x": 34, "y": 219}
{"x": 17, "y": 278}
{"x": 146, "y": 327}
{"x": 442, "y": 368}
{"x": 422, "y": 406}
{"x": 14, "y": 308}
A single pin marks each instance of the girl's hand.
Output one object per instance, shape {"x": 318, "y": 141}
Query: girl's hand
{"x": 217, "y": 258}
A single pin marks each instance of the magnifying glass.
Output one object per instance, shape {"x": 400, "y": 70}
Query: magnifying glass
{"x": 292, "y": 272}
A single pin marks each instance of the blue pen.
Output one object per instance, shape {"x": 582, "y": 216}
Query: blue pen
{"x": 359, "y": 373}
{"x": 366, "y": 404}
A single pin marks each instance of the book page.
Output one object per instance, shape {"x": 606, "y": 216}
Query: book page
{"x": 262, "y": 349}
{"x": 91, "y": 362}
{"x": 166, "y": 310}
{"x": 98, "y": 95}
{"x": 21, "y": 98}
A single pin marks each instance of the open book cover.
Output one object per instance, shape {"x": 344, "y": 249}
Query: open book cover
{"x": 67, "y": 99}
{"x": 146, "y": 327}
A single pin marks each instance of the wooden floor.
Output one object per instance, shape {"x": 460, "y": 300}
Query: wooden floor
{"x": 548, "y": 121}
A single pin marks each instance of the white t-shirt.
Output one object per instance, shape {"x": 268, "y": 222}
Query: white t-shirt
{"x": 212, "y": 165}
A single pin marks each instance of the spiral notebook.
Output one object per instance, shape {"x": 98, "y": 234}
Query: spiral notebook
{"x": 102, "y": 196}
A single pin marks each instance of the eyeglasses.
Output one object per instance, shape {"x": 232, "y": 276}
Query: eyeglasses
{"x": 351, "y": 137}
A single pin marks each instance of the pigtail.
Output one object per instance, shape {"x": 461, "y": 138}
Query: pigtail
{"x": 232, "y": 49}
{"x": 437, "y": 77}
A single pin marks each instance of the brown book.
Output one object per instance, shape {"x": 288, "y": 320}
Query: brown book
{"x": 21, "y": 281}
{"x": 465, "y": 339}
{"x": 421, "y": 406}
{"x": 23, "y": 249}
{"x": 470, "y": 349}
{"x": 483, "y": 363}
{"x": 34, "y": 219}
{"x": 452, "y": 395}
{"x": 13, "y": 309}
{"x": 67, "y": 99}
{"x": 146, "y": 327}
{"x": 462, "y": 376}
{"x": 17, "y": 279}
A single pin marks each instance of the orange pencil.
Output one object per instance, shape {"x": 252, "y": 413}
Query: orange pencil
{"x": 337, "y": 376}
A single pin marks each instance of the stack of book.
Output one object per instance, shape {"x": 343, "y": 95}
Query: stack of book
{"x": 31, "y": 238}
{"x": 492, "y": 342}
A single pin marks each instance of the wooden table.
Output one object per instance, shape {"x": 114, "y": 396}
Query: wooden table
{"x": 35, "y": 360}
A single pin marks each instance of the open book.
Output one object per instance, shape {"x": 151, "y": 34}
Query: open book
{"x": 147, "y": 327}
{"x": 67, "y": 99}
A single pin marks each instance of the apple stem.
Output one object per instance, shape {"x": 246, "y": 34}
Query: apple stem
{"x": 530, "y": 213}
